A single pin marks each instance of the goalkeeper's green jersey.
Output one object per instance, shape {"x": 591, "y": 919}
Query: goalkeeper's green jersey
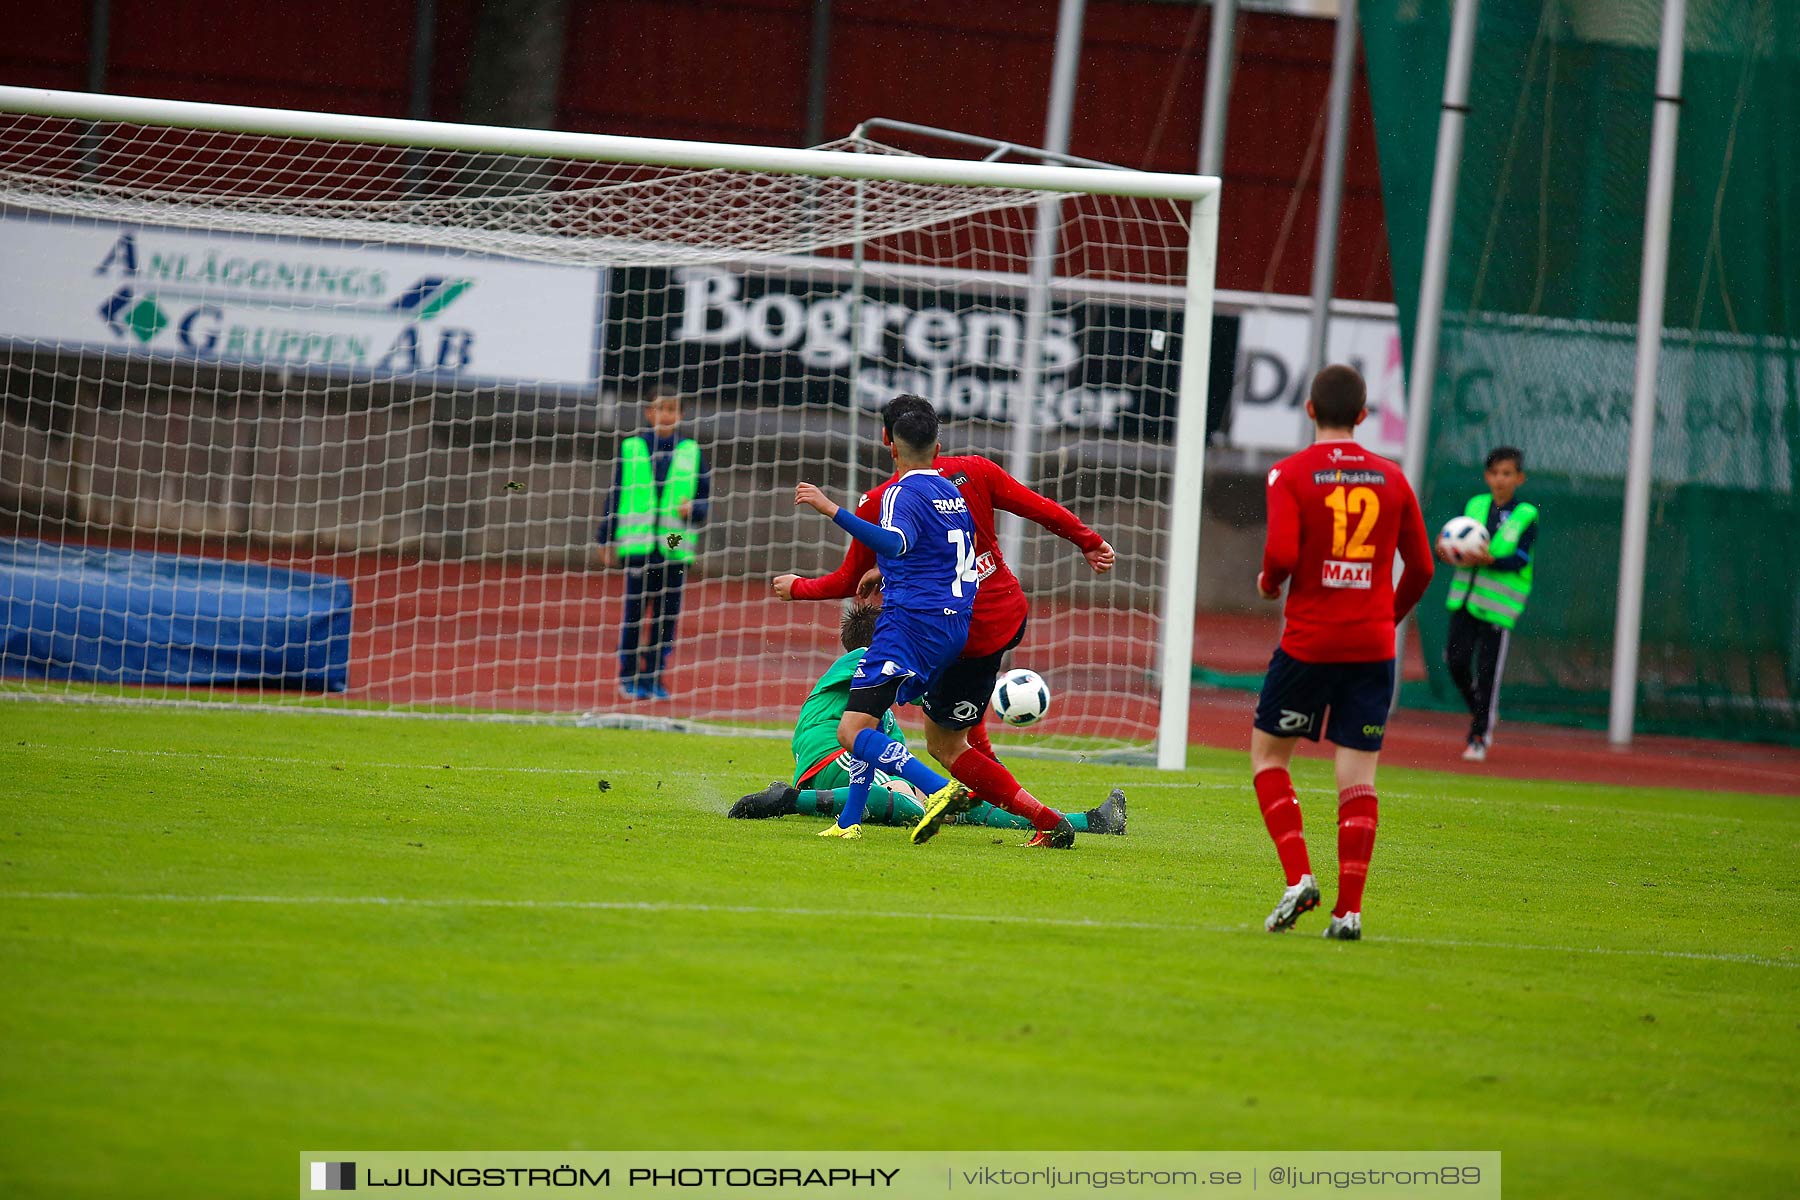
{"x": 815, "y": 732}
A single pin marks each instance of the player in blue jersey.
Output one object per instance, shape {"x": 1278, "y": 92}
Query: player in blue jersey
{"x": 925, "y": 547}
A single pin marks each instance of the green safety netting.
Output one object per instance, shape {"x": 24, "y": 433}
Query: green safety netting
{"x": 1540, "y": 328}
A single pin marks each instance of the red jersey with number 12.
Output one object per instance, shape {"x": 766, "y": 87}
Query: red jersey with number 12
{"x": 1337, "y": 515}
{"x": 1000, "y": 604}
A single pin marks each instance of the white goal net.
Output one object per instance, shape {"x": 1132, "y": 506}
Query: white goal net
{"x": 305, "y": 409}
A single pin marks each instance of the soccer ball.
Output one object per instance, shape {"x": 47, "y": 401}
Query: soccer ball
{"x": 1021, "y": 698}
{"x": 1462, "y": 536}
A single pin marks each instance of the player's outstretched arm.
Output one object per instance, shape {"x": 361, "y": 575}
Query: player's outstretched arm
{"x": 879, "y": 538}
{"x": 847, "y": 580}
{"x": 858, "y": 562}
{"x": 883, "y": 540}
{"x": 1009, "y": 495}
{"x": 810, "y": 496}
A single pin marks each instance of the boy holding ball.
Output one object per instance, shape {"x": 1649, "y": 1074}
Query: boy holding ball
{"x": 1488, "y": 593}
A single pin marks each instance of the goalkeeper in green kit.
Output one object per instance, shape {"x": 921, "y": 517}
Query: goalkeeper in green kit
{"x": 820, "y": 783}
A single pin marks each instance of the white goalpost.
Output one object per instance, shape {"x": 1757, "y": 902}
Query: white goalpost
{"x": 304, "y": 408}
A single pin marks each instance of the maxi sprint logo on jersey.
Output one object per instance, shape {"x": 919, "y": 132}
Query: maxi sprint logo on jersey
{"x": 298, "y": 304}
{"x": 1336, "y": 573}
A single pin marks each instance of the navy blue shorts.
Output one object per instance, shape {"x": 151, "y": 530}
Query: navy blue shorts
{"x": 1297, "y": 696}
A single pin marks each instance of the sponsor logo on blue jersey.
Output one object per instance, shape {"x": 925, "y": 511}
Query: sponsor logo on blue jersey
{"x": 937, "y": 571}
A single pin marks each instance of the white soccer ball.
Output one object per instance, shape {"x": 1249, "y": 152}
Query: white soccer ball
{"x": 1021, "y": 698}
{"x": 1462, "y": 536}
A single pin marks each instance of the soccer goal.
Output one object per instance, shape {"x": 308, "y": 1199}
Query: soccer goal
{"x": 313, "y": 409}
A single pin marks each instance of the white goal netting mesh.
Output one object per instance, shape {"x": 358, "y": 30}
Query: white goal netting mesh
{"x": 313, "y": 421}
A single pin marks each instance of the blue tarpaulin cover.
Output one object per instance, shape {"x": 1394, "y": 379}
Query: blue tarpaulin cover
{"x": 132, "y": 616}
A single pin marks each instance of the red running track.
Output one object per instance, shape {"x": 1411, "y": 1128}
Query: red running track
{"x": 1523, "y": 750}
{"x": 503, "y": 636}
{"x": 430, "y": 631}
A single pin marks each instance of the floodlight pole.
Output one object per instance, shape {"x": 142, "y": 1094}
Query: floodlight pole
{"x": 1628, "y": 627}
{"x": 99, "y": 54}
{"x": 1422, "y": 376}
{"x": 1023, "y": 410}
{"x": 818, "y": 72}
{"x": 1331, "y": 188}
{"x": 1221, "y": 59}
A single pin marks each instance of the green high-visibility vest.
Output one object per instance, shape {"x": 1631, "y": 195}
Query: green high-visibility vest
{"x": 1497, "y": 597}
{"x": 648, "y": 519}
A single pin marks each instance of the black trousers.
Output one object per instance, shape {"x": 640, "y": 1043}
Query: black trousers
{"x": 653, "y": 601}
{"x": 1475, "y": 652}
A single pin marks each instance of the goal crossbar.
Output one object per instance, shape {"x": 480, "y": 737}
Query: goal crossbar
{"x": 598, "y": 147}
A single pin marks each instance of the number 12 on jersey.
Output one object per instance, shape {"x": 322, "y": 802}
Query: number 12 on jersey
{"x": 1360, "y": 502}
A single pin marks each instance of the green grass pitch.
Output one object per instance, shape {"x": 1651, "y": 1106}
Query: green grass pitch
{"x": 231, "y": 936}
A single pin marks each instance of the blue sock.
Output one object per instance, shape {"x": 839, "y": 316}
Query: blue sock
{"x": 858, "y": 799}
{"x": 875, "y": 747}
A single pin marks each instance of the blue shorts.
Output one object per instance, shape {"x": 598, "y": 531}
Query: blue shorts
{"x": 913, "y": 648}
{"x": 1296, "y": 697}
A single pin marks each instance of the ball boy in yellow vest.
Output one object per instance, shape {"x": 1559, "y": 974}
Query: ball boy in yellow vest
{"x": 662, "y": 489}
{"x": 1488, "y": 594}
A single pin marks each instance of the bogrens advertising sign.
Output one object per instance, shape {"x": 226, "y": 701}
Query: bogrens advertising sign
{"x": 781, "y": 339}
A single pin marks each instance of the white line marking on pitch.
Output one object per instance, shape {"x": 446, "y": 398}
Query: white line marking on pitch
{"x": 328, "y": 763}
{"x": 1198, "y": 785}
{"x": 1192, "y": 785}
{"x": 658, "y": 906}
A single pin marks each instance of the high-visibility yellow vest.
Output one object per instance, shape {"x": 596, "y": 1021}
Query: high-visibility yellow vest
{"x": 649, "y": 519}
{"x": 1497, "y": 597}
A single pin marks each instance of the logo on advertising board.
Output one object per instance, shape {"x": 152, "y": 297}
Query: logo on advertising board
{"x": 1268, "y": 408}
{"x": 282, "y": 305}
{"x": 373, "y": 310}
{"x": 1098, "y": 366}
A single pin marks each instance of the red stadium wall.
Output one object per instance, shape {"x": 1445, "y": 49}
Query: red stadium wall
{"x": 736, "y": 70}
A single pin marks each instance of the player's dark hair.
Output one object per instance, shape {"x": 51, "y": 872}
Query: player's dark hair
{"x": 1511, "y": 454}
{"x": 858, "y": 627}
{"x": 1338, "y": 397}
{"x": 904, "y": 403}
{"x": 916, "y": 431}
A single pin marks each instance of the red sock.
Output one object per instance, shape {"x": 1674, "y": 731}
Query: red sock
{"x": 1356, "y": 842}
{"x": 1281, "y": 813}
{"x": 991, "y": 781}
{"x": 978, "y": 740}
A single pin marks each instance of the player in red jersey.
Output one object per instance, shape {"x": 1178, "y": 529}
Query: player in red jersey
{"x": 1337, "y": 515}
{"x": 955, "y": 708}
